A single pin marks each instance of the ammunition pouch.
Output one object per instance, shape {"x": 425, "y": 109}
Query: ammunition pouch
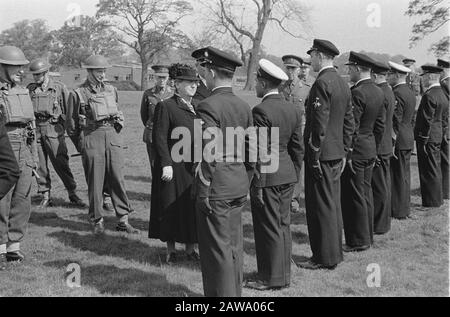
{"x": 17, "y": 106}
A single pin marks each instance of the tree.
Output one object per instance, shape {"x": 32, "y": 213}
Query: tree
{"x": 74, "y": 44}
{"x": 147, "y": 26}
{"x": 246, "y": 23}
{"x": 435, "y": 15}
{"x": 33, "y": 37}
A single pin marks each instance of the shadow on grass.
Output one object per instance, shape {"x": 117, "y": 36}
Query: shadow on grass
{"x": 138, "y": 196}
{"x": 298, "y": 219}
{"x": 56, "y": 203}
{"x": 51, "y": 219}
{"x": 111, "y": 221}
{"x": 111, "y": 280}
{"x": 118, "y": 246}
{"x": 299, "y": 237}
{"x": 143, "y": 179}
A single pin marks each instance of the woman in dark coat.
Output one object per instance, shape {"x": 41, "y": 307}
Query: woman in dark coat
{"x": 172, "y": 216}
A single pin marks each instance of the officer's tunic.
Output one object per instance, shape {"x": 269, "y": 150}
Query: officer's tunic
{"x": 428, "y": 135}
{"x": 150, "y": 99}
{"x": 357, "y": 196}
{"x": 297, "y": 92}
{"x": 381, "y": 179}
{"x": 329, "y": 126}
{"x": 50, "y": 105}
{"x": 271, "y": 216}
{"x": 172, "y": 214}
{"x": 9, "y": 170}
{"x": 15, "y": 206}
{"x": 220, "y": 233}
{"x": 101, "y": 147}
{"x": 445, "y": 141}
{"x": 405, "y": 102}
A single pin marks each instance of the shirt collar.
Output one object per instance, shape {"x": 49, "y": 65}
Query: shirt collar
{"x": 219, "y": 87}
{"x": 270, "y": 93}
{"x": 434, "y": 85}
{"x": 324, "y": 68}
{"x": 361, "y": 80}
{"x": 402, "y": 83}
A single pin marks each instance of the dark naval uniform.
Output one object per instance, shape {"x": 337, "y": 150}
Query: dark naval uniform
{"x": 50, "y": 106}
{"x": 150, "y": 99}
{"x": 445, "y": 142}
{"x": 271, "y": 215}
{"x": 15, "y": 207}
{"x": 357, "y": 196}
{"x": 94, "y": 123}
{"x": 9, "y": 170}
{"x": 381, "y": 179}
{"x": 329, "y": 126}
{"x": 445, "y": 84}
{"x": 405, "y": 102}
{"x": 428, "y": 135}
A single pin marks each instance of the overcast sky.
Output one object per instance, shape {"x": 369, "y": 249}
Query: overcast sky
{"x": 350, "y": 24}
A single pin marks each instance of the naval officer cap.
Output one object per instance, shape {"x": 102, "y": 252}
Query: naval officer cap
{"x": 443, "y": 63}
{"x": 292, "y": 61}
{"x": 359, "y": 59}
{"x": 324, "y": 46}
{"x": 271, "y": 72}
{"x": 215, "y": 57}
{"x": 161, "y": 70}
{"x": 397, "y": 68}
{"x": 431, "y": 69}
{"x": 380, "y": 67}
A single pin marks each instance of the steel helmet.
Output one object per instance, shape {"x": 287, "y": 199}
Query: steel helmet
{"x": 39, "y": 66}
{"x": 11, "y": 55}
{"x": 96, "y": 62}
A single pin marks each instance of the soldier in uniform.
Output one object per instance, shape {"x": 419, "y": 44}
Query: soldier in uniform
{"x": 369, "y": 113}
{"x": 271, "y": 191}
{"x": 296, "y": 92}
{"x": 49, "y": 99}
{"x": 304, "y": 75}
{"x": 17, "y": 112}
{"x": 405, "y": 102}
{"x": 381, "y": 179}
{"x": 413, "y": 79}
{"x": 329, "y": 126}
{"x": 445, "y": 84}
{"x": 222, "y": 182}
{"x": 9, "y": 170}
{"x": 428, "y": 135}
{"x": 94, "y": 122}
{"x": 161, "y": 91}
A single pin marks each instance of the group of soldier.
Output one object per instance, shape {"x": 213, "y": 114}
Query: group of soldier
{"x": 355, "y": 143}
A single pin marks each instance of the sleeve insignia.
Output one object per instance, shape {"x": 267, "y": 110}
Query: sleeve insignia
{"x": 317, "y": 104}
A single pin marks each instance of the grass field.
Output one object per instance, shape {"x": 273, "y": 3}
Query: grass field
{"x": 413, "y": 257}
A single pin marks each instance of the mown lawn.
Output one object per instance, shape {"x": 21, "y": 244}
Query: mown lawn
{"x": 413, "y": 257}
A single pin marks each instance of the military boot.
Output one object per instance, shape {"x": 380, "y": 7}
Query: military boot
{"x": 75, "y": 200}
{"x": 46, "y": 200}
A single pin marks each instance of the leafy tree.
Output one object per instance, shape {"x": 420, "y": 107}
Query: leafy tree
{"x": 73, "y": 44}
{"x": 435, "y": 15}
{"x": 32, "y": 36}
{"x": 147, "y": 26}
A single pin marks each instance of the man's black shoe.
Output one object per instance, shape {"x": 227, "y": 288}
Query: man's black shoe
{"x": 75, "y": 200}
{"x": 171, "y": 258}
{"x": 194, "y": 257}
{"x": 348, "y": 249}
{"x": 99, "y": 228}
{"x": 311, "y": 265}
{"x": 261, "y": 286}
{"x": 126, "y": 227}
{"x": 16, "y": 256}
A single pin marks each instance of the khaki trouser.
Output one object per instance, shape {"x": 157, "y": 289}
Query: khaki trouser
{"x": 15, "y": 207}
{"x": 103, "y": 163}
{"x": 51, "y": 144}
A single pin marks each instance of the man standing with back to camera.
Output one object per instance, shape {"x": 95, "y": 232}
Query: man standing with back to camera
{"x": 222, "y": 182}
